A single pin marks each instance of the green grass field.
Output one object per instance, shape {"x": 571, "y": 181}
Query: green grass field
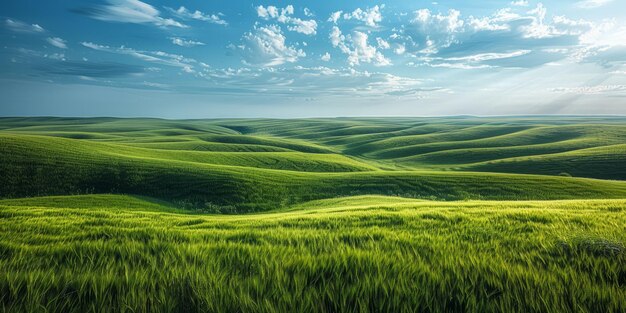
{"x": 454, "y": 214}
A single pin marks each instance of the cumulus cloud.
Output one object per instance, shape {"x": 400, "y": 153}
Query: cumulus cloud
{"x": 336, "y": 37}
{"x": 602, "y": 43}
{"x": 499, "y": 21}
{"x": 399, "y": 49}
{"x": 436, "y": 29}
{"x": 21, "y": 27}
{"x": 544, "y": 40}
{"x": 284, "y": 16}
{"x": 57, "y": 42}
{"x": 184, "y": 13}
{"x": 185, "y": 43}
{"x": 266, "y": 46}
{"x": 129, "y": 11}
{"x": 335, "y": 16}
{"x": 370, "y": 16}
{"x": 325, "y": 57}
{"x": 449, "y": 23}
{"x": 382, "y": 43}
{"x": 357, "y": 48}
{"x": 519, "y": 3}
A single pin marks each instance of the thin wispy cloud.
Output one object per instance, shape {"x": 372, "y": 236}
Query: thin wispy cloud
{"x": 22, "y": 27}
{"x": 185, "y": 42}
{"x": 129, "y": 11}
{"x": 159, "y": 57}
{"x": 592, "y": 4}
{"x": 590, "y": 90}
{"x": 57, "y": 42}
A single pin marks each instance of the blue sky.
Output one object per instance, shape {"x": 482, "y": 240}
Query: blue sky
{"x": 197, "y": 59}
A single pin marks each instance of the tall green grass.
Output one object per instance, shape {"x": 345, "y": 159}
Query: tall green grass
{"x": 367, "y": 254}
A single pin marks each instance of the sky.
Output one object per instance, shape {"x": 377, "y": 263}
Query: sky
{"x": 214, "y": 59}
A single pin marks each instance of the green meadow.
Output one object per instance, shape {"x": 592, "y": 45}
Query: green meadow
{"x": 442, "y": 214}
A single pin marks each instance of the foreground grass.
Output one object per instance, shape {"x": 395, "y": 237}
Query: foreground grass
{"x": 350, "y": 254}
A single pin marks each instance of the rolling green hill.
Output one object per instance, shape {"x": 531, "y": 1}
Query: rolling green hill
{"x": 256, "y": 165}
{"x": 242, "y": 182}
{"x": 607, "y": 162}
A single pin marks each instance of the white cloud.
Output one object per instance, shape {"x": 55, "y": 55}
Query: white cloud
{"x": 590, "y": 90}
{"x": 489, "y": 56}
{"x": 308, "y": 12}
{"x": 185, "y": 43}
{"x": 95, "y": 46}
{"x": 458, "y": 66}
{"x": 382, "y": 44}
{"x": 155, "y": 85}
{"x": 370, "y": 16}
{"x": 603, "y": 43}
{"x": 21, "y": 27}
{"x": 439, "y": 30}
{"x": 265, "y": 46}
{"x": 470, "y": 62}
{"x": 335, "y": 16}
{"x": 307, "y": 27}
{"x": 506, "y": 31}
{"x": 356, "y": 47}
{"x": 160, "y": 57}
{"x": 538, "y": 28}
{"x": 450, "y": 23}
{"x": 57, "y": 42}
{"x": 55, "y": 56}
{"x": 325, "y": 57}
{"x": 183, "y": 12}
{"x": 131, "y": 11}
{"x": 519, "y": 3}
{"x": 307, "y": 81}
{"x": 336, "y": 37}
{"x": 399, "y": 49}
{"x": 591, "y": 4}
{"x": 498, "y": 21}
